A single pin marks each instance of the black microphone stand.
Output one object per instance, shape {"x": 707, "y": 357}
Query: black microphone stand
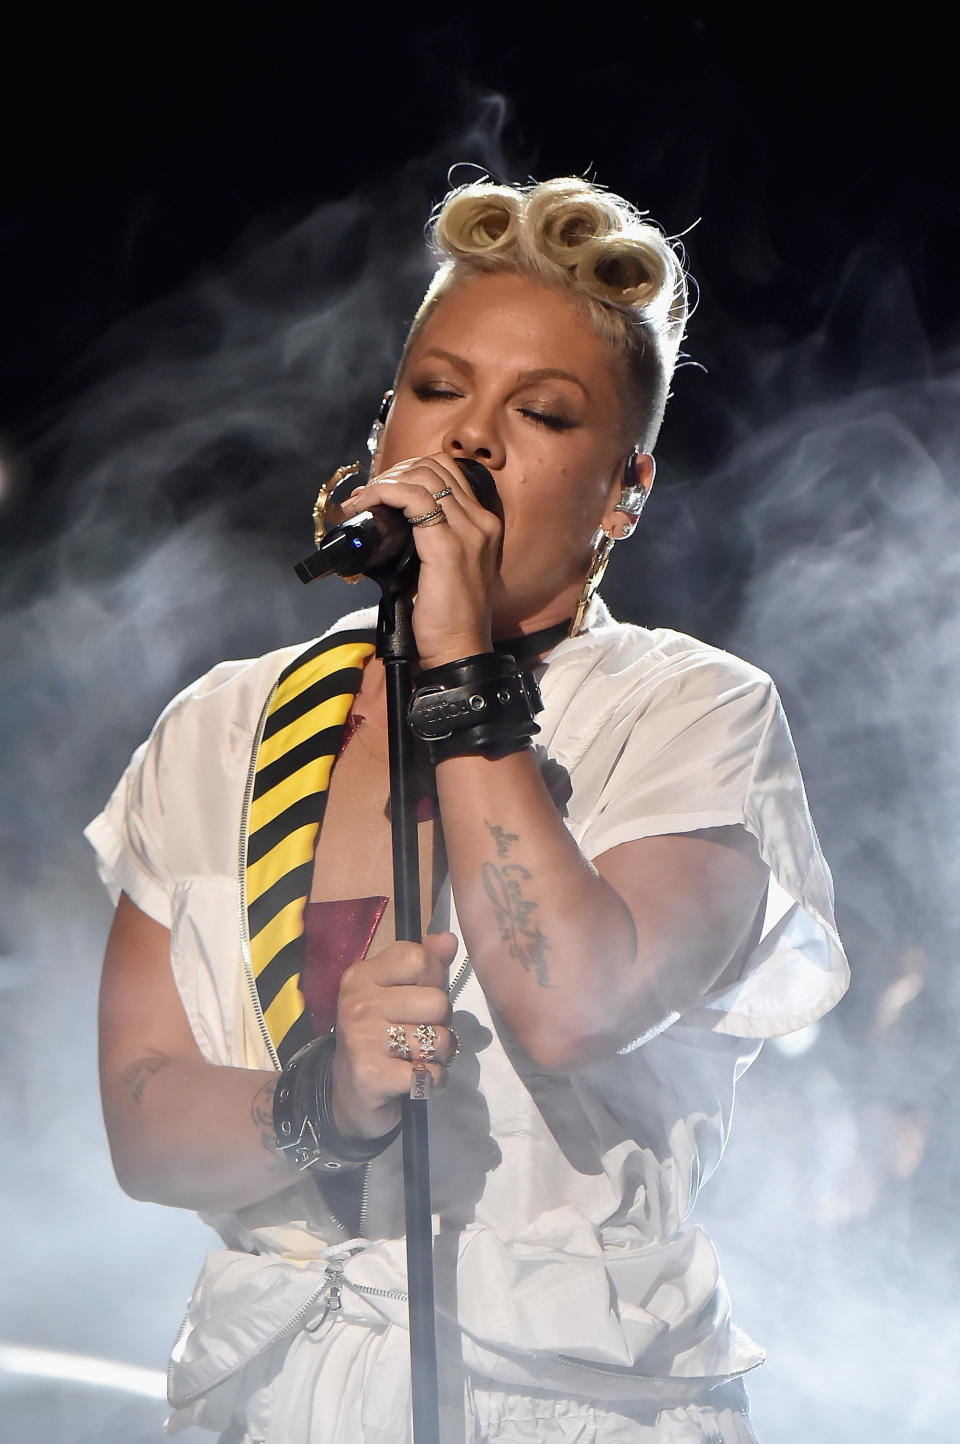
{"x": 397, "y": 649}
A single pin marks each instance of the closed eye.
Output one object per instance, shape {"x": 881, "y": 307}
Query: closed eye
{"x": 431, "y": 392}
{"x": 440, "y": 391}
{"x": 548, "y": 419}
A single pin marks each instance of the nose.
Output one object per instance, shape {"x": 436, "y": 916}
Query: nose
{"x": 475, "y": 434}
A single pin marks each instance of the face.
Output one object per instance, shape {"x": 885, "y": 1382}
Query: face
{"x": 512, "y": 373}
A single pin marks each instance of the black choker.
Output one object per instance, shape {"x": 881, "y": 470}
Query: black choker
{"x": 533, "y": 643}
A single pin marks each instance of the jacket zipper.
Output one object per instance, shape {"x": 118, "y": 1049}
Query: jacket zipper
{"x": 368, "y": 1291}
{"x": 460, "y": 978}
{"x": 333, "y": 1285}
{"x": 329, "y": 1286}
{"x": 242, "y": 873}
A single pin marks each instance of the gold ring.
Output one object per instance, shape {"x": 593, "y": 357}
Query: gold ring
{"x": 434, "y": 516}
{"x": 397, "y": 1041}
{"x": 447, "y": 491}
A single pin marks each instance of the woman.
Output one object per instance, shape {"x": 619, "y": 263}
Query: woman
{"x": 620, "y": 910}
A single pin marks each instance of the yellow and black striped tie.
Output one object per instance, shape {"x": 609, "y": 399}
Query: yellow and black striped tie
{"x": 300, "y": 743}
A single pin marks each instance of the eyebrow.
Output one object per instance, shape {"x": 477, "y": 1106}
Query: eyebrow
{"x": 543, "y": 373}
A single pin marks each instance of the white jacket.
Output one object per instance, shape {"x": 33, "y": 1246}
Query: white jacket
{"x": 561, "y": 1202}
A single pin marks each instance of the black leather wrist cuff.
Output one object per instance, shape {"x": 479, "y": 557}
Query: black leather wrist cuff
{"x": 303, "y": 1117}
{"x": 477, "y": 704}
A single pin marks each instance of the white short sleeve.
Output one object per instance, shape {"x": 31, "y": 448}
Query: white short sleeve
{"x": 128, "y": 836}
{"x": 693, "y": 738}
{"x": 165, "y": 820}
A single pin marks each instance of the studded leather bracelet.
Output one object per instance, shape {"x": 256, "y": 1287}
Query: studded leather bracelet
{"x": 303, "y": 1115}
{"x": 479, "y": 704}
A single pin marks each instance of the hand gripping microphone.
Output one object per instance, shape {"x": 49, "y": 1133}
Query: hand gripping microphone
{"x": 375, "y": 539}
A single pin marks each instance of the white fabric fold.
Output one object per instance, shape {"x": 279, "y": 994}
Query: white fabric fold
{"x": 655, "y": 1317}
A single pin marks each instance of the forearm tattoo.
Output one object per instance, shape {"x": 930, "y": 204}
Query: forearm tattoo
{"x": 138, "y": 1074}
{"x": 261, "y": 1112}
{"x": 514, "y": 913}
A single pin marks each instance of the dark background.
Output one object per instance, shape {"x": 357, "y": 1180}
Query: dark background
{"x": 814, "y": 162}
{"x": 142, "y": 149}
{"x": 189, "y": 202}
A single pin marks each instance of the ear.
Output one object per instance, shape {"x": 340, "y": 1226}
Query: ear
{"x": 628, "y": 496}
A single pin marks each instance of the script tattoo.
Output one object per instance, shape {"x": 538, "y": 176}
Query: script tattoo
{"x": 503, "y": 885}
{"x": 137, "y": 1075}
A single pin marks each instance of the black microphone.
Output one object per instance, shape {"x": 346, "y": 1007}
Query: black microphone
{"x": 367, "y": 542}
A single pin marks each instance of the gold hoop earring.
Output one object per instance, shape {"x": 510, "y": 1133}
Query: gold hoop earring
{"x": 598, "y": 565}
{"x": 327, "y": 497}
{"x": 632, "y": 501}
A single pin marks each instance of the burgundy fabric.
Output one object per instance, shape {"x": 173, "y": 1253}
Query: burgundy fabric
{"x": 349, "y": 727}
{"x": 336, "y": 934}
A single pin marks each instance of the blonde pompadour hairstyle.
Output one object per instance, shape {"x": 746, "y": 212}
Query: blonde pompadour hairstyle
{"x": 568, "y": 233}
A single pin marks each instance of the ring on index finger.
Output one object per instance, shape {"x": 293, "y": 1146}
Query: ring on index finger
{"x": 438, "y": 495}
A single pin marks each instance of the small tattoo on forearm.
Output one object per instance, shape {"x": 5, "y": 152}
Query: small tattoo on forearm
{"x": 137, "y": 1075}
{"x": 261, "y": 1112}
{"x": 501, "y": 837}
{"x": 525, "y": 941}
{"x": 261, "y": 1109}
